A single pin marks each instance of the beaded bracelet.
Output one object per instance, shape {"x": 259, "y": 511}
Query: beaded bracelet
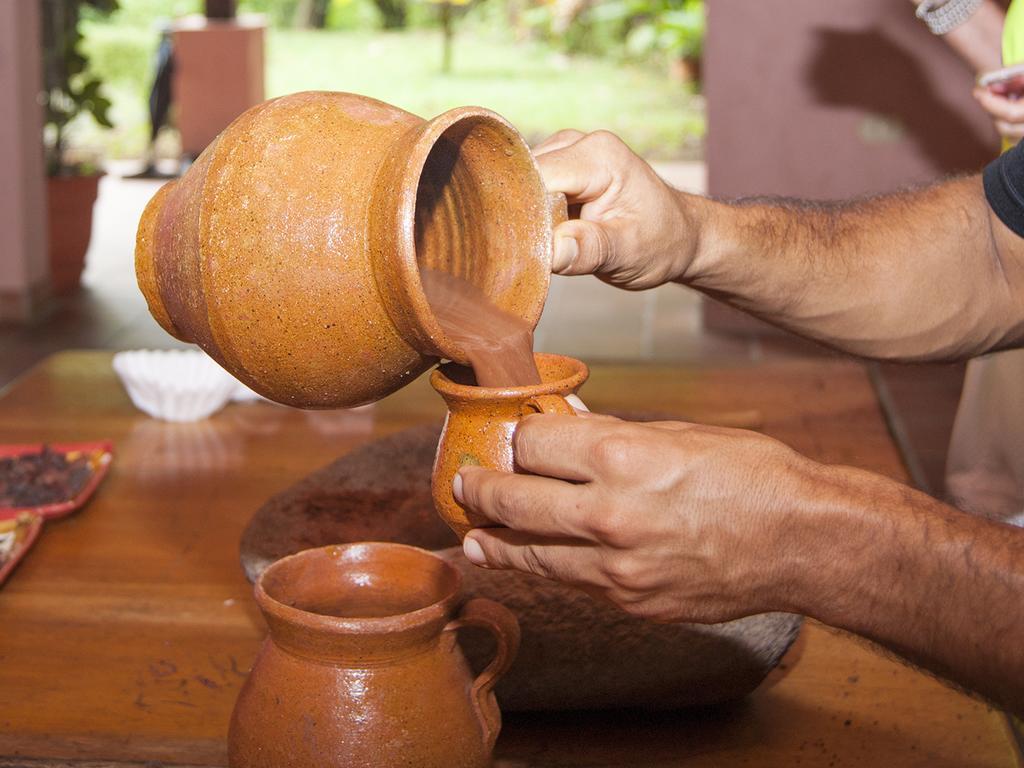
{"x": 943, "y": 16}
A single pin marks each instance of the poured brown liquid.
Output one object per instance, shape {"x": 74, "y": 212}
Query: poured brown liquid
{"x": 498, "y": 345}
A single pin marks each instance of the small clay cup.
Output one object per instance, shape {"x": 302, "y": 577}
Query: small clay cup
{"x": 362, "y": 666}
{"x": 482, "y": 420}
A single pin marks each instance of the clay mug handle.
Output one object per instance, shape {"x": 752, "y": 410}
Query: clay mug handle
{"x": 502, "y": 623}
{"x": 550, "y": 404}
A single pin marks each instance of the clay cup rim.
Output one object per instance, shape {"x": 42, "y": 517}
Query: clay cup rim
{"x": 577, "y": 374}
{"x": 411, "y": 562}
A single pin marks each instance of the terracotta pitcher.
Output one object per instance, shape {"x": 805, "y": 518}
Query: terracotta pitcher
{"x": 291, "y": 249}
{"x": 362, "y": 667}
{"x": 481, "y": 422}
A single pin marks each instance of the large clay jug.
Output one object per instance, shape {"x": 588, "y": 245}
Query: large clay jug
{"x": 482, "y": 420}
{"x": 290, "y": 251}
{"x": 362, "y": 667}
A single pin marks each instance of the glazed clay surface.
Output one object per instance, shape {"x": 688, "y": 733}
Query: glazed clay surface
{"x": 576, "y": 652}
{"x": 290, "y": 251}
{"x": 362, "y": 667}
{"x": 482, "y": 420}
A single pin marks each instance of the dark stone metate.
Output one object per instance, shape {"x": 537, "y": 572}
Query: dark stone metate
{"x": 576, "y": 653}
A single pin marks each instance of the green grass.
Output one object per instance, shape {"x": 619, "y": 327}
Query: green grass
{"x": 536, "y": 88}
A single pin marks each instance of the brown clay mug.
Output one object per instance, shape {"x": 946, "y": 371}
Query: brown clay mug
{"x": 290, "y": 251}
{"x": 362, "y": 666}
{"x": 482, "y": 420}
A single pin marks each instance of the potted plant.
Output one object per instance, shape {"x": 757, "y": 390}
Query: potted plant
{"x": 683, "y": 36}
{"x": 672, "y": 27}
{"x": 69, "y": 90}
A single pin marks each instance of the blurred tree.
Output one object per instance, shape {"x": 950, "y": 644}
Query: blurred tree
{"x": 675, "y": 27}
{"x": 393, "y": 13}
{"x": 672, "y": 30}
{"x": 281, "y": 13}
{"x": 220, "y": 9}
{"x": 447, "y": 10}
{"x": 311, "y": 14}
{"x": 567, "y": 12}
{"x": 516, "y": 18}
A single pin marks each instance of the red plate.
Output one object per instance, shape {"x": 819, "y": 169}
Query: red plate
{"x": 100, "y": 455}
{"x": 25, "y": 529}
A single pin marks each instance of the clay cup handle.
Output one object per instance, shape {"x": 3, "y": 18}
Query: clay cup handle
{"x": 501, "y": 622}
{"x": 550, "y": 404}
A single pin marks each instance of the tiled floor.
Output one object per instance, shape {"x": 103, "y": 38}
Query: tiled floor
{"x": 583, "y": 317}
{"x": 109, "y": 312}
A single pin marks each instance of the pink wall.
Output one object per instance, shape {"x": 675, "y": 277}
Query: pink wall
{"x": 827, "y": 99}
{"x": 24, "y": 266}
{"x": 830, "y": 99}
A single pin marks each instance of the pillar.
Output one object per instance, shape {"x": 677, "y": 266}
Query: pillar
{"x": 24, "y": 260}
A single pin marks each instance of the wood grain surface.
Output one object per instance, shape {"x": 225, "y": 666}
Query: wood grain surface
{"x": 126, "y": 633}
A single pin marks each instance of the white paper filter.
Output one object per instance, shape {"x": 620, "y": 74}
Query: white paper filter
{"x": 175, "y": 385}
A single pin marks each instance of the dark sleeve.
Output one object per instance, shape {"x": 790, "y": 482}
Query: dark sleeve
{"x": 1004, "y": 188}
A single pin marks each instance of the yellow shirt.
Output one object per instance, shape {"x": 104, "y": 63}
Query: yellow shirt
{"x": 1013, "y": 34}
{"x": 1013, "y": 43}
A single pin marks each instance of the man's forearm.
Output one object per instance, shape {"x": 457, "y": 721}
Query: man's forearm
{"x": 977, "y": 41}
{"x": 910, "y": 276}
{"x": 941, "y": 588}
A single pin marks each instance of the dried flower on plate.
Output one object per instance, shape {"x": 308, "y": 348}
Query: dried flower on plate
{"x": 46, "y": 477}
{"x": 50, "y": 480}
{"x": 16, "y": 537}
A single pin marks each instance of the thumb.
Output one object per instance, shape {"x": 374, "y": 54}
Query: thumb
{"x": 583, "y": 247}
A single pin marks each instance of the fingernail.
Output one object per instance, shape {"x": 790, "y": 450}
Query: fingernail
{"x": 457, "y": 487}
{"x": 566, "y": 251}
{"x": 473, "y": 551}
{"x": 576, "y": 403}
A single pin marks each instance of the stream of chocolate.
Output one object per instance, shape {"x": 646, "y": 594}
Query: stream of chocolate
{"x": 499, "y": 345}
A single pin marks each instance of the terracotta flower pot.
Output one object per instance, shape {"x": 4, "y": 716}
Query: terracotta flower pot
{"x": 291, "y": 249}
{"x": 70, "y": 202}
{"x": 362, "y": 667}
{"x": 687, "y": 70}
{"x": 482, "y": 420}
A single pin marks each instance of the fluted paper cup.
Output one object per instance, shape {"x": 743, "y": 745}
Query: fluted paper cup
{"x": 175, "y": 385}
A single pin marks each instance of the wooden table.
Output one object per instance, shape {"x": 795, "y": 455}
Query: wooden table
{"x": 126, "y": 633}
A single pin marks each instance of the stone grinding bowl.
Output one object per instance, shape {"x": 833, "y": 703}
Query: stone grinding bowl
{"x": 576, "y": 653}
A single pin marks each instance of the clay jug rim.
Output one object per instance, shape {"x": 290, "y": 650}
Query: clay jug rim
{"x": 438, "y": 610}
{"x": 425, "y": 326}
{"x": 447, "y": 387}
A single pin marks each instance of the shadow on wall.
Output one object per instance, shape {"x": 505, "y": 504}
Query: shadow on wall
{"x": 871, "y": 71}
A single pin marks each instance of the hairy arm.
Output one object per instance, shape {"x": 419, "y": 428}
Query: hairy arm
{"x": 936, "y": 586}
{"x": 679, "y": 522}
{"x": 930, "y": 274}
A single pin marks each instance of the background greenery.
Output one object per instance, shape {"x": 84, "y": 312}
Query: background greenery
{"x": 70, "y": 89}
{"x": 586, "y": 64}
